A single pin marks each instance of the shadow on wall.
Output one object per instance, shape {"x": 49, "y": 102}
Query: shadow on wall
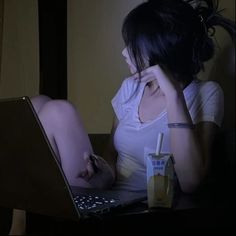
{"x": 223, "y": 71}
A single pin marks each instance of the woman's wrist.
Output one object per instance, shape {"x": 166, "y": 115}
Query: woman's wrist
{"x": 175, "y": 98}
{"x": 184, "y": 125}
{"x": 174, "y": 92}
{"x": 177, "y": 110}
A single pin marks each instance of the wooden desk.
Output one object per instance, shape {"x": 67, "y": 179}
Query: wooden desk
{"x": 192, "y": 214}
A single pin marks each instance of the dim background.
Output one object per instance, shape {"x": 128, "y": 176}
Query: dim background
{"x": 95, "y": 67}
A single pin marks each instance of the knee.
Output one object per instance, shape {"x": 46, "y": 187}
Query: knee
{"x": 39, "y": 101}
{"x": 40, "y": 98}
{"x": 58, "y": 110}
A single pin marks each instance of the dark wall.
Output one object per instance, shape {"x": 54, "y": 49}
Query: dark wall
{"x": 5, "y": 220}
{"x": 53, "y": 47}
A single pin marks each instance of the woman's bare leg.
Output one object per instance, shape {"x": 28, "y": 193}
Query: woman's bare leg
{"x": 69, "y": 140}
{"x": 39, "y": 101}
{"x": 67, "y": 136}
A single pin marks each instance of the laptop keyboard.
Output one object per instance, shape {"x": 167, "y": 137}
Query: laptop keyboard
{"x": 93, "y": 202}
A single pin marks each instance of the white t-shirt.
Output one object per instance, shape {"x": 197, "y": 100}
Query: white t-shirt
{"x": 133, "y": 139}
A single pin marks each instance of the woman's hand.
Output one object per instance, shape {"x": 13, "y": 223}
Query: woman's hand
{"x": 98, "y": 172}
{"x": 167, "y": 84}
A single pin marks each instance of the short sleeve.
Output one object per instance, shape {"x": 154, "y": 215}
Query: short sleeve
{"x": 120, "y": 101}
{"x": 210, "y": 103}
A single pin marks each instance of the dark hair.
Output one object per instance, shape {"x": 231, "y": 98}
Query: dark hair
{"x": 176, "y": 34}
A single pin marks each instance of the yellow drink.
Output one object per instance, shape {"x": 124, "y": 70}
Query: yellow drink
{"x": 160, "y": 176}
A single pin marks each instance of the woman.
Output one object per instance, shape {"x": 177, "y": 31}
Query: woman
{"x": 167, "y": 43}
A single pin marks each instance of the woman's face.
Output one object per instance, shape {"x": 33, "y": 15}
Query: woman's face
{"x": 128, "y": 60}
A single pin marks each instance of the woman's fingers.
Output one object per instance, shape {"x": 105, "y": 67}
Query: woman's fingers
{"x": 99, "y": 168}
{"x": 88, "y": 173}
{"x": 103, "y": 166}
{"x": 145, "y": 77}
{"x": 90, "y": 169}
{"x": 149, "y": 74}
{"x": 98, "y": 172}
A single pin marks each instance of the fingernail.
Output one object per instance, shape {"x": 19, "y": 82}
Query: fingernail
{"x": 92, "y": 161}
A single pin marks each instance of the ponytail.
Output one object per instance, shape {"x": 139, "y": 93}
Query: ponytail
{"x": 209, "y": 16}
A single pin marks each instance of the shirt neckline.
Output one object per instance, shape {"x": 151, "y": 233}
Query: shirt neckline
{"x": 164, "y": 111}
{"x": 136, "y": 112}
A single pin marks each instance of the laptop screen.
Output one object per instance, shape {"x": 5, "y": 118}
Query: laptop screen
{"x": 30, "y": 175}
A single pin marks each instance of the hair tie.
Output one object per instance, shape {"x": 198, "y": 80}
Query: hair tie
{"x": 201, "y": 18}
{"x": 209, "y": 31}
{"x": 203, "y": 23}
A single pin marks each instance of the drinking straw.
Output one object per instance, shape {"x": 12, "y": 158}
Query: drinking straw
{"x": 159, "y": 143}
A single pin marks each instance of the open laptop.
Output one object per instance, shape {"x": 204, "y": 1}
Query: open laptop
{"x": 31, "y": 177}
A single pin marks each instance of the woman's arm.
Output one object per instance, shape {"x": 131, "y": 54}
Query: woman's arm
{"x": 191, "y": 147}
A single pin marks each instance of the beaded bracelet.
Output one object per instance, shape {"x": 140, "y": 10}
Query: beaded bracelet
{"x": 181, "y": 125}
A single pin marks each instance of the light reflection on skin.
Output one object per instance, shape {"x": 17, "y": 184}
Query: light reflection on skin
{"x": 128, "y": 60}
